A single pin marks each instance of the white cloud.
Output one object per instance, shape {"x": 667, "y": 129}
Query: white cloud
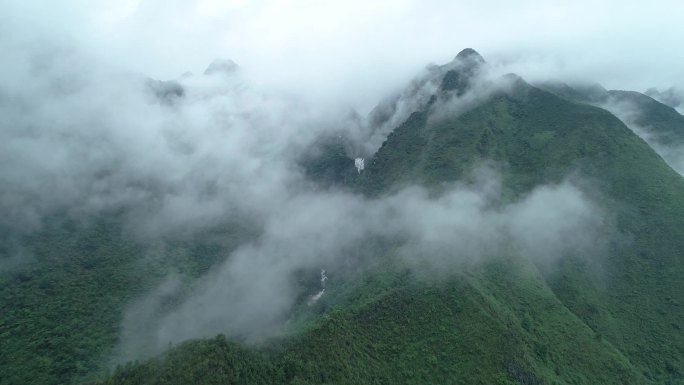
{"x": 253, "y": 292}
{"x": 356, "y": 50}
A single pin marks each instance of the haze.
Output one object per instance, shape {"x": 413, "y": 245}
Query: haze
{"x": 356, "y": 51}
{"x": 83, "y": 130}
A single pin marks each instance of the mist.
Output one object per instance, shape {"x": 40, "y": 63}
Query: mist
{"x": 672, "y": 151}
{"x": 182, "y": 156}
{"x": 108, "y": 107}
{"x": 251, "y": 295}
{"x": 355, "y": 53}
{"x": 85, "y": 138}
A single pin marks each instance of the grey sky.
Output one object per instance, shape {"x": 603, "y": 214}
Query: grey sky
{"x": 355, "y": 51}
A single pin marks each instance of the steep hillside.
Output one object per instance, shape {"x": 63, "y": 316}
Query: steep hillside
{"x": 540, "y": 138}
{"x": 61, "y": 308}
{"x": 500, "y": 324}
{"x": 659, "y": 124}
{"x": 59, "y": 313}
{"x": 672, "y": 96}
{"x": 609, "y": 318}
{"x": 663, "y": 123}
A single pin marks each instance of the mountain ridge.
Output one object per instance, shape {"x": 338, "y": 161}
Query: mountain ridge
{"x": 607, "y": 313}
{"x": 621, "y": 314}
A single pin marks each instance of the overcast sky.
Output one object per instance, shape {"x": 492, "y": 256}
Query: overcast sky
{"x": 327, "y": 48}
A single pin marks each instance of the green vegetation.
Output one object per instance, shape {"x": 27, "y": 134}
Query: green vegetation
{"x": 541, "y": 138}
{"x": 664, "y": 123}
{"x": 329, "y": 166}
{"x": 497, "y": 324}
{"x": 60, "y": 313}
{"x": 216, "y": 361}
{"x": 614, "y": 318}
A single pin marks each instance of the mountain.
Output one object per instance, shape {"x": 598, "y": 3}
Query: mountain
{"x": 541, "y": 137}
{"x": 454, "y": 76}
{"x": 672, "y": 97}
{"x": 225, "y": 67}
{"x": 605, "y": 319}
{"x": 62, "y": 306}
{"x": 663, "y": 124}
{"x": 608, "y": 314}
{"x": 659, "y": 124}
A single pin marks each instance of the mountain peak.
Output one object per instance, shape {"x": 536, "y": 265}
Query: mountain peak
{"x": 469, "y": 55}
{"x": 461, "y": 71}
{"x": 221, "y": 66}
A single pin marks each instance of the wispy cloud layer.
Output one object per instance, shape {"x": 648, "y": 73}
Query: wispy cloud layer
{"x": 355, "y": 51}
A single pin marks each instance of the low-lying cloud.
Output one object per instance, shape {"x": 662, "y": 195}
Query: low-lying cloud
{"x": 251, "y": 294}
{"x": 672, "y": 151}
{"x": 81, "y": 138}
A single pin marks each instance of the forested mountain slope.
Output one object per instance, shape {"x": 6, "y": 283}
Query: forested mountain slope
{"x": 607, "y": 317}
